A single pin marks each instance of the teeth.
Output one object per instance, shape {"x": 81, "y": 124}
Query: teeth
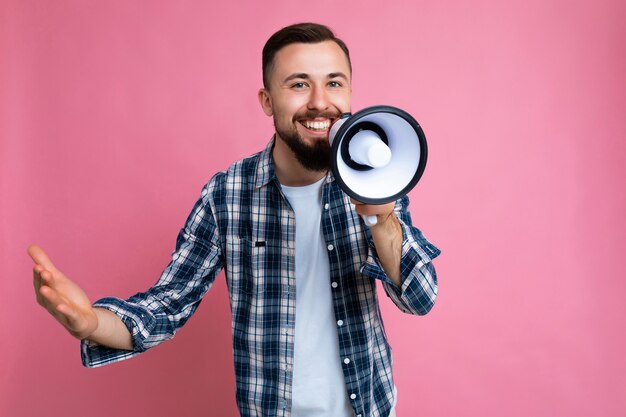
{"x": 317, "y": 125}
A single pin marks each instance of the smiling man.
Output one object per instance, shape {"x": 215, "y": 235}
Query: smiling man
{"x": 304, "y": 105}
{"x": 301, "y": 267}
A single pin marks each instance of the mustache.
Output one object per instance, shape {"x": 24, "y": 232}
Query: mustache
{"x": 315, "y": 114}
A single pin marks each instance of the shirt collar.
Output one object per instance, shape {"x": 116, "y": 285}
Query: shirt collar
{"x": 265, "y": 167}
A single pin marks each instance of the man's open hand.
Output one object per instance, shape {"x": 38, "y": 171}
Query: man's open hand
{"x": 63, "y": 299}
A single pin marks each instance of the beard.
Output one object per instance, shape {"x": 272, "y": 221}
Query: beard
{"x": 315, "y": 156}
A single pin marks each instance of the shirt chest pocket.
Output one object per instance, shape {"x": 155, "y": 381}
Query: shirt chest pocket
{"x": 255, "y": 266}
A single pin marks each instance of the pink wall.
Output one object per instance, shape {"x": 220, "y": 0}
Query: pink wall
{"x": 114, "y": 114}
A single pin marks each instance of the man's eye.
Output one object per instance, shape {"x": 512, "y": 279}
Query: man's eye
{"x": 298, "y": 85}
{"x": 334, "y": 84}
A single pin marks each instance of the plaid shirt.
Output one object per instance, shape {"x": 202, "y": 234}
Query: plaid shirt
{"x": 243, "y": 223}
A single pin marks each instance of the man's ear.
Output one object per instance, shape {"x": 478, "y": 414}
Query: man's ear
{"x": 266, "y": 102}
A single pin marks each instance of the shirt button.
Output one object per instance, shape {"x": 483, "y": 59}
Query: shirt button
{"x": 334, "y": 285}
{"x": 326, "y": 206}
{"x": 331, "y": 247}
{"x": 352, "y": 396}
{"x": 339, "y": 322}
{"x": 347, "y": 361}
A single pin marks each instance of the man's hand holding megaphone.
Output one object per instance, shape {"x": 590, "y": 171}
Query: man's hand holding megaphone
{"x": 378, "y": 155}
{"x": 380, "y": 212}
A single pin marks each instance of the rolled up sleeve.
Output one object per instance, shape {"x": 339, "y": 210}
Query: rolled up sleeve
{"x": 154, "y": 316}
{"x": 419, "y": 279}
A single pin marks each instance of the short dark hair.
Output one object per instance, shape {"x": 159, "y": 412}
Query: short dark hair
{"x": 298, "y": 33}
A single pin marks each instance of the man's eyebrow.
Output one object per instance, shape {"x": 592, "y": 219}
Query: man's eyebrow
{"x": 305, "y": 76}
{"x": 300, "y": 75}
{"x": 338, "y": 75}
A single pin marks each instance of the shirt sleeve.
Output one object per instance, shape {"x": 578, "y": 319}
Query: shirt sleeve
{"x": 419, "y": 279}
{"x": 156, "y": 315}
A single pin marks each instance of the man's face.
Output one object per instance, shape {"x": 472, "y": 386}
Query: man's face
{"x": 309, "y": 89}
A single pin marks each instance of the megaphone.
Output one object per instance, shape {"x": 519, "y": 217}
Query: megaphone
{"x": 378, "y": 154}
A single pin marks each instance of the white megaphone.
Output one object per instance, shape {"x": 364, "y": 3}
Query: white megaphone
{"x": 378, "y": 155}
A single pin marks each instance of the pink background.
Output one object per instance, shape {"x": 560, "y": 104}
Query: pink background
{"x": 114, "y": 114}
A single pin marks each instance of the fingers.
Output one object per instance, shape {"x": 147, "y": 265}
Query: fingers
{"x": 372, "y": 209}
{"x": 37, "y": 270}
{"x": 50, "y": 297}
{"x": 41, "y": 271}
{"x": 59, "y": 308}
{"x": 41, "y": 277}
{"x": 40, "y": 257}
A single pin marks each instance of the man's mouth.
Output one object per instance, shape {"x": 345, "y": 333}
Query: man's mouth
{"x": 317, "y": 125}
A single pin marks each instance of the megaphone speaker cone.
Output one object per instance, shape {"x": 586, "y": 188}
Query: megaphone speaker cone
{"x": 378, "y": 154}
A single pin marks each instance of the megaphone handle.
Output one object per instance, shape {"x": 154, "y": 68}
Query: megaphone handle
{"x": 370, "y": 220}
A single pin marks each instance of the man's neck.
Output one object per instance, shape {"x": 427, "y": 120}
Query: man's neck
{"x": 288, "y": 170}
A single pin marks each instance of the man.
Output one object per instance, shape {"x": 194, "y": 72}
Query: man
{"x": 301, "y": 267}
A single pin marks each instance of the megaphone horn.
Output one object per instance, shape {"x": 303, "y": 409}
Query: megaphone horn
{"x": 378, "y": 154}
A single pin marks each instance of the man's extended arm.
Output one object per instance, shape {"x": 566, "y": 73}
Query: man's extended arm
{"x": 113, "y": 329}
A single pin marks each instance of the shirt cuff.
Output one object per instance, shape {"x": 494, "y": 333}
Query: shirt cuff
{"x": 416, "y": 252}
{"x": 135, "y": 318}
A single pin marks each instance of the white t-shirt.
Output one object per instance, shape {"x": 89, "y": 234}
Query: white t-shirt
{"x": 319, "y": 388}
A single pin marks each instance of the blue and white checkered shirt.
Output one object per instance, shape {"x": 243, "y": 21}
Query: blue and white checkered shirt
{"x": 243, "y": 223}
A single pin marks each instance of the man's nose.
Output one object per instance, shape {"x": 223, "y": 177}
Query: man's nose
{"x": 318, "y": 100}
